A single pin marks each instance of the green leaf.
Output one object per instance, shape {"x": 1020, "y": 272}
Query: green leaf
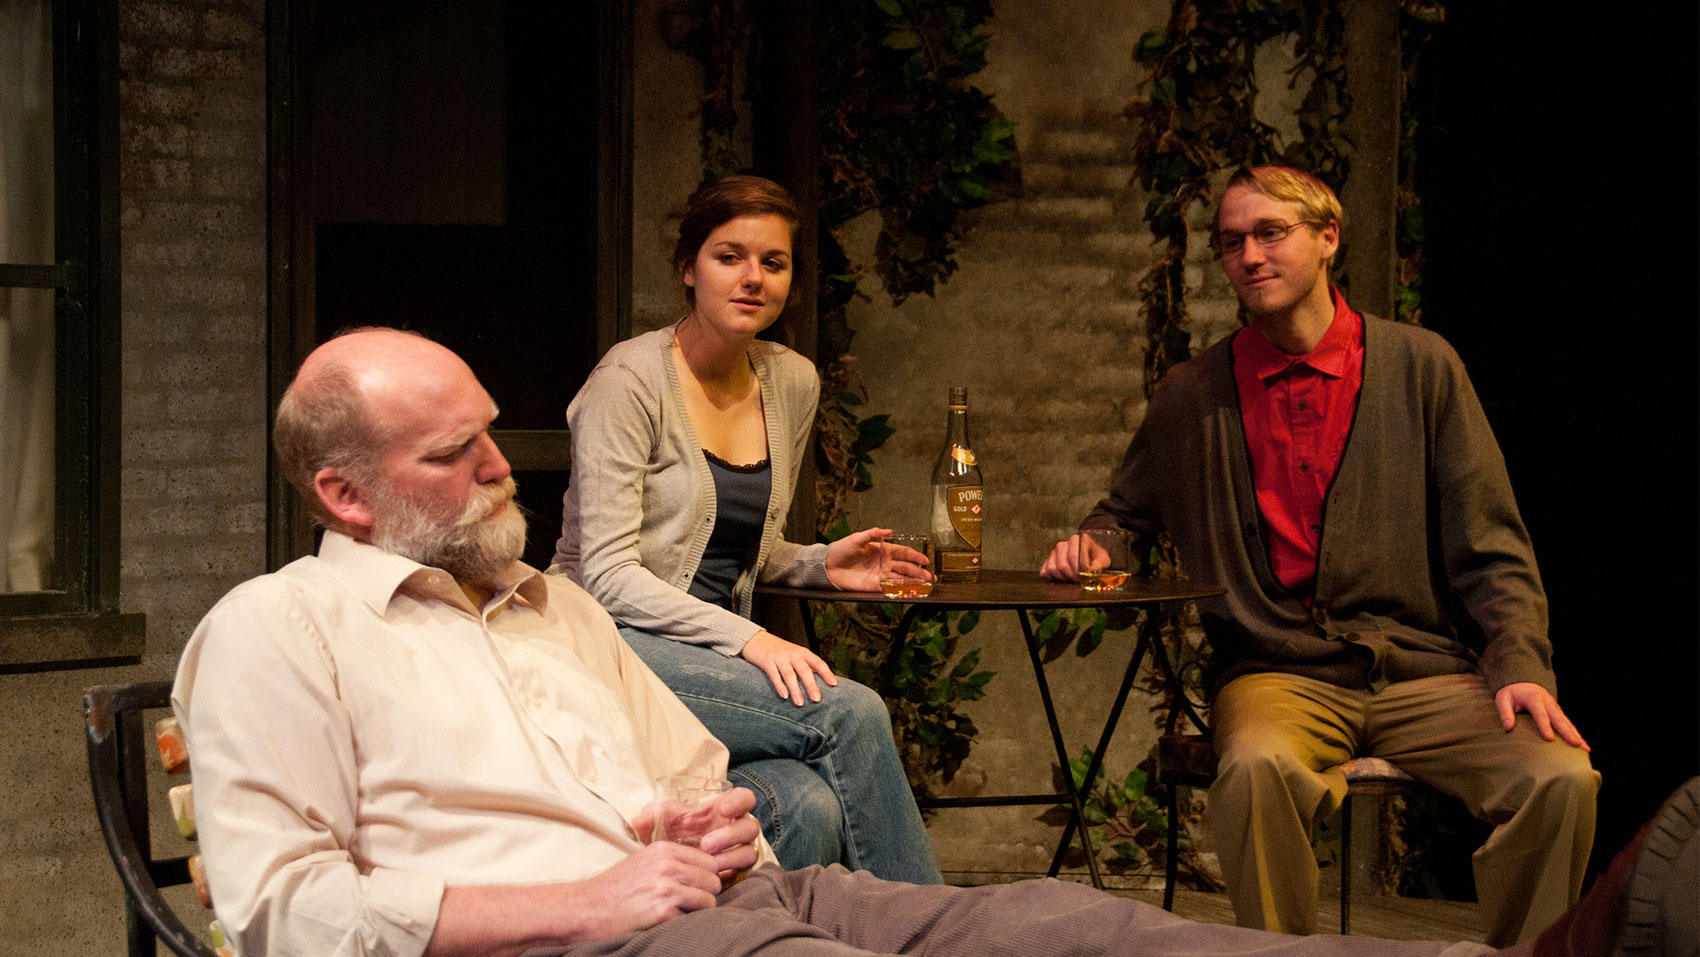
{"x": 1411, "y": 231}
{"x": 1151, "y": 47}
{"x": 902, "y": 40}
{"x": 975, "y": 187}
{"x": 872, "y": 431}
{"x": 1094, "y": 636}
{"x": 969, "y": 662}
{"x": 890, "y": 8}
{"x": 1163, "y": 90}
{"x": 996, "y": 130}
{"x": 992, "y": 154}
{"x": 966, "y": 623}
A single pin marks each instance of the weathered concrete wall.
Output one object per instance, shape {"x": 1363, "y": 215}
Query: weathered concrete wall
{"x": 666, "y": 159}
{"x": 192, "y": 141}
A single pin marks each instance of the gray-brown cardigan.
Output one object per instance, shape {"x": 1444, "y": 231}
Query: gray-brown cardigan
{"x": 1425, "y": 567}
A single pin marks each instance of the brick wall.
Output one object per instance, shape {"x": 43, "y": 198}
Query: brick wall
{"x": 193, "y": 192}
{"x": 192, "y": 208}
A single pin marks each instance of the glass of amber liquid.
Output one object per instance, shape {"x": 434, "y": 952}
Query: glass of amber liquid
{"x": 684, "y": 807}
{"x": 1105, "y": 558}
{"x": 905, "y": 566}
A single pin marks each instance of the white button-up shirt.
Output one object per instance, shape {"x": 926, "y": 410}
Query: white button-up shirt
{"x": 361, "y": 736}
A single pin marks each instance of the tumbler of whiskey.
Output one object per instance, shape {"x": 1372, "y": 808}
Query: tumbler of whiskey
{"x": 906, "y": 566}
{"x": 1105, "y": 558}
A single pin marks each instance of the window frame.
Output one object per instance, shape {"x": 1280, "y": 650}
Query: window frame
{"x": 77, "y": 624}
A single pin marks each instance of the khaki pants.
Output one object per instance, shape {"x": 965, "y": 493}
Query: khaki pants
{"x": 1280, "y": 737}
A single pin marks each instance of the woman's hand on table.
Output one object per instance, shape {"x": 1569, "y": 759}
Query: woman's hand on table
{"x": 791, "y": 667}
{"x": 853, "y": 562}
{"x": 1060, "y": 564}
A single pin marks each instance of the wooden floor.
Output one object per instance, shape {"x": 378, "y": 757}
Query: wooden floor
{"x": 1394, "y": 918}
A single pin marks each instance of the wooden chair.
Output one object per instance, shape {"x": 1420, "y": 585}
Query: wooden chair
{"x": 117, "y": 748}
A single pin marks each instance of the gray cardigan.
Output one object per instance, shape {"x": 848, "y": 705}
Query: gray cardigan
{"x": 640, "y": 508}
{"x": 1425, "y": 567}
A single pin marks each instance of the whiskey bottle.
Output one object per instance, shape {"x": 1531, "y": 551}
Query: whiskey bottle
{"x": 956, "y": 499}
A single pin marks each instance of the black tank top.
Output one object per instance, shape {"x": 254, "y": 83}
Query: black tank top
{"x": 741, "y": 493}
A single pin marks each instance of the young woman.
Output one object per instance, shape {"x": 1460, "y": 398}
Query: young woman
{"x": 686, "y": 447}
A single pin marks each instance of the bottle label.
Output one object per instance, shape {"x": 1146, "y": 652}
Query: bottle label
{"x": 965, "y": 456}
{"x": 956, "y": 564}
{"x": 963, "y": 504}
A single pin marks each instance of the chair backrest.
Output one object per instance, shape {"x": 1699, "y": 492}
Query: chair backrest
{"x": 118, "y": 744}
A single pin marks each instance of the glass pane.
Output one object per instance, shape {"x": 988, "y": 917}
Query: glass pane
{"x": 26, "y": 315}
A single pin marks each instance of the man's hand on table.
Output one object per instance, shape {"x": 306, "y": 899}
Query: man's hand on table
{"x": 1542, "y": 707}
{"x": 1061, "y": 564}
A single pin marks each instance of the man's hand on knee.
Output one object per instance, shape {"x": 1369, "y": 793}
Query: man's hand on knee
{"x": 1541, "y": 707}
{"x": 657, "y": 884}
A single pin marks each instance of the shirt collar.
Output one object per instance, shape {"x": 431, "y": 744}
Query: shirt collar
{"x": 1254, "y": 352}
{"x": 376, "y": 576}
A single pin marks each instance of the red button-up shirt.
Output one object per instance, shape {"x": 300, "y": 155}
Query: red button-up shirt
{"x": 1298, "y": 412}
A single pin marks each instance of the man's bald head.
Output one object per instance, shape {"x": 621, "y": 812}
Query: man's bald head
{"x": 333, "y": 416}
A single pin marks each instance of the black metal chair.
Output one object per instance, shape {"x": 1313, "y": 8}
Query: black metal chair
{"x": 118, "y": 745}
{"x": 1189, "y": 760}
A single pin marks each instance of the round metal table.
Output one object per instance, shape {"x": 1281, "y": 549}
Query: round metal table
{"x": 1025, "y": 592}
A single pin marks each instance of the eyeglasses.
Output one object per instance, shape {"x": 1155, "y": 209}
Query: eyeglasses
{"x": 1264, "y": 234}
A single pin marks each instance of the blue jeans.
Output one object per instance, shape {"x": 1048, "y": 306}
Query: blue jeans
{"x": 828, "y": 783}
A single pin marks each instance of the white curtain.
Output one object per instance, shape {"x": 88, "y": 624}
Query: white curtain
{"x": 26, "y": 315}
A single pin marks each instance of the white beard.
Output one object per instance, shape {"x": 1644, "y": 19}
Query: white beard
{"x": 475, "y": 546}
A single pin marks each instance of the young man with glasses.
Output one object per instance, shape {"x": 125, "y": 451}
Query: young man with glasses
{"x": 1336, "y": 473}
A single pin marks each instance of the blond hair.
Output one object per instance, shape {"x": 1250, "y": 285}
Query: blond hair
{"x": 1288, "y": 185}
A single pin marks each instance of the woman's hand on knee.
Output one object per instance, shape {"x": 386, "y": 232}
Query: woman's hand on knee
{"x": 791, "y": 667}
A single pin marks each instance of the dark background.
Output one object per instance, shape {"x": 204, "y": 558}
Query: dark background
{"x": 1558, "y": 165}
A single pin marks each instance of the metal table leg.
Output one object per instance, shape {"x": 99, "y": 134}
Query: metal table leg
{"x": 1104, "y": 738}
{"x": 1062, "y": 757}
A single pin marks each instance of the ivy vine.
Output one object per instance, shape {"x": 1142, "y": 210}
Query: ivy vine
{"x": 906, "y": 136}
{"x": 1418, "y": 21}
{"x": 1198, "y": 119}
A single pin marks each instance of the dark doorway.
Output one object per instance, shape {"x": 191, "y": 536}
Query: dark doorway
{"x": 454, "y": 190}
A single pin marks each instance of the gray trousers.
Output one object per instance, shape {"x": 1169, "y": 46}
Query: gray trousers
{"x": 833, "y": 912}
